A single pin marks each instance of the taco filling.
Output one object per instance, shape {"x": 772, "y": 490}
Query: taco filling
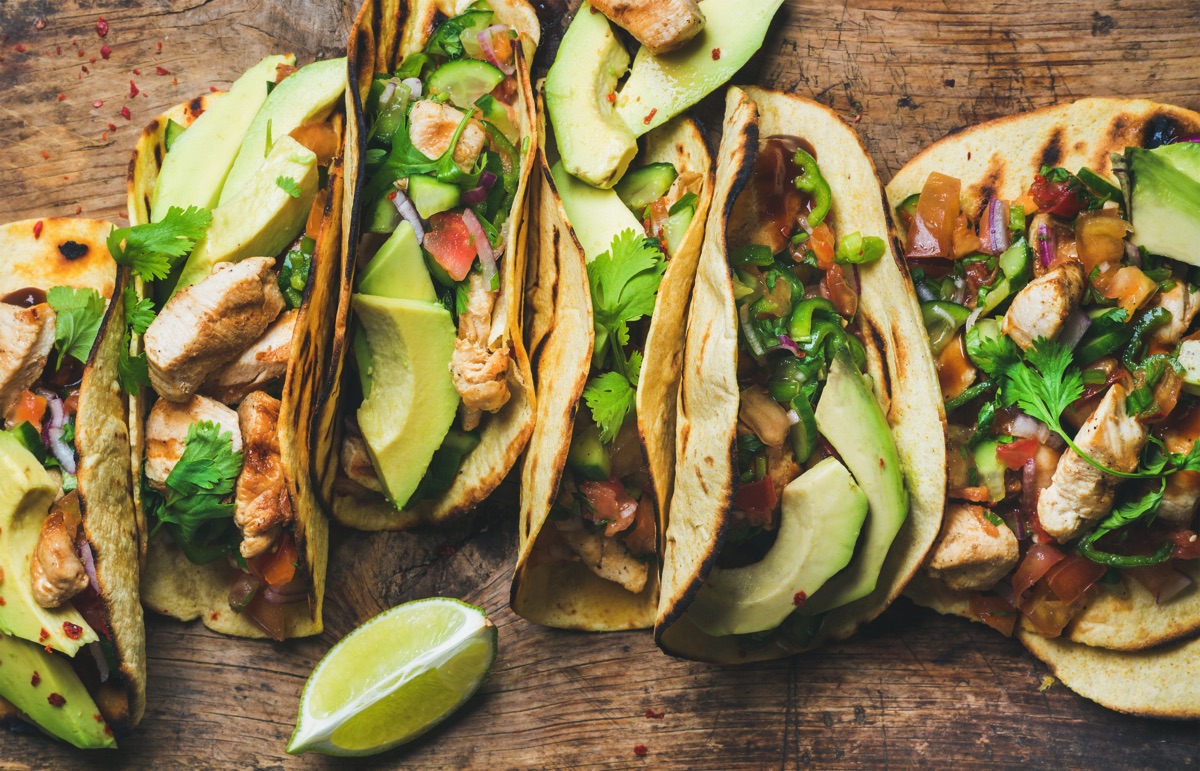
{"x": 1062, "y": 325}
{"x": 431, "y": 340}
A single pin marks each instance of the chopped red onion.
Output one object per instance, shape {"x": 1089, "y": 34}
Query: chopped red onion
{"x": 487, "y": 259}
{"x": 414, "y": 85}
{"x": 52, "y": 431}
{"x": 485, "y": 43}
{"x": 998, "y": 237}
{"x": 1189, "y": 138}
{"x": 1133, "y": 254}
{"x": 97, "y": 652}
{"x": 1045, "y": 244}
{"x": 1073, "y": 328}
{"x": 1172, "y": 586}
{"x": 84, "y": 549}
{"x": 479, "y": 193}
{"x": 787, "y": 342}
{"x": 793, "y": 417}
{"x": 409, "y": 213}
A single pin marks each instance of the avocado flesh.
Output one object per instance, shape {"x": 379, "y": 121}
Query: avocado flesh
{"x": 1189, "y": 359}
{"x": 850, "y": 419}
{"x": 661, "y": 87}
{"x": 75, "y": 722}
{"x": 597, "y": 216}
{"x": 595, "y": 144}
{"x": 398, "y": 269}
{"x": 195, "y": 169}
{"x": 26, "y": 492}
{"x": 823, "y": 512}
{"x": 261, "y": 221}
{"x": 1163, "y": 192}
{"x": 306, "y": 96}
{"x": 412, "y": 399}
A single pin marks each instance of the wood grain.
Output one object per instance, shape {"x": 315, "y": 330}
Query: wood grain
{"x": 914, "y": 690}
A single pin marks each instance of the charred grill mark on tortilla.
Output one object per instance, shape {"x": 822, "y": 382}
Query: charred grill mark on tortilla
{"x": 1051, "y": 154}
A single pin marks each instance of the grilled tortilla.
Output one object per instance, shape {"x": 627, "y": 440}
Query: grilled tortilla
{"x": 701, "y": 513}
{"x": 385, "y": 32}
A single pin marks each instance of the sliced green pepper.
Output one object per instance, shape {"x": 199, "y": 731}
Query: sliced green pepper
{"x": 1142, "y": 328}
{"x": 813, "y": 183}
{"x": 942, "y": 321}
{"x": 801, "y": 323}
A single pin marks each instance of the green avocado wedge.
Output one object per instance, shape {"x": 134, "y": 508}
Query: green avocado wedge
{"x": 398, "y": 269}
{"x": 1162, "y": 187}
{"x": 597, "y": 215}
{"x": 823, "y": 512}
{"x": 194, "y": 170}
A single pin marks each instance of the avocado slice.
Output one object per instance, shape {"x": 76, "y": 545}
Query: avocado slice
{"x": 26, "y": 492}
{"x": 200, "y": 158}
{"x": 850, "y": 419}
{"x": 412, "y": 399}
{"x": 595, "y": 144}
{"x": 1162, "y": 189}
{"x": 823, "y": 512}
{"x": 398, "y": 269}
{"x": 588, "y": 456}
{"x": 264, "y": 219}
{"x": 306, "y": 96}
{"x": 661, "y": 87}
{"x": 597, "y": 216}
{"x": 75, "y": 719}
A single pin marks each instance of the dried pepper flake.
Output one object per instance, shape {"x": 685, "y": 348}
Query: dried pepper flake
{"x": 98, "y": 103}
{"x": 650, "y": 116}
{"x": 716, "y": 54}
{"x": 133, "y": 89}
{"x": 640, "y": 750}
{"x": 105, "y": 51}
{"x": 19, "y": 48}
{"x": 74, "y": 631}
{"x": 158, "y": 47}
{"x": 101, "y": 27}
{"x": 112, "y": 127}
{"x": 78, "y": 209}
{"x": 125, "y": 113}
{"x": 612, "y": 97}
{"x": 655, "y": 715}
{"x": 58, "y": 50}
{"x": 45, "y": 155}
{"x": 56, "y": 700}
{"x": 162, "y": 70}
{"x": 36, "y": 679}
{"x": 40, "y": 24}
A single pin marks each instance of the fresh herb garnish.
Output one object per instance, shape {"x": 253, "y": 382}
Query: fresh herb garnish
{"x": 612, "y": 396}
{"x": 153, "y": 248}
{"x": 1126, "y": 514}
{"x": 139, "y": 314}
{"x": 79, "y": 312}
{"x": 289, "y": 186}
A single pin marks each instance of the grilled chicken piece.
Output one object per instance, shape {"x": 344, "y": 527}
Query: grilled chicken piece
{"x": 26, "y": 337}
{"x": 764, "y": 416}
{"x": 782, "y": 468}
{"x": 971, "y": 553}
{"x": 660, "y": 25}
{"x": 1182, "y": 493}
{"x": 167, "y": 430}
{"x": 480, "y": 375}
{"x": 55, "y": 568}
{"x": 206, "y": 325}
{"x": 1079, "y": 493}
{"x": 264, "y": 361}
{"x": 262, "y": 506}
{"x": 1183, "y": 301}
{"x": 431, "y": 128}
{"x": 606, "y": 557}
{"x": 1040, "y": 309}
{"x": 356, "y": 462}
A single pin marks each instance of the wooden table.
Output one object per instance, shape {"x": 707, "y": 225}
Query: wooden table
{"x": 914, "y": 689}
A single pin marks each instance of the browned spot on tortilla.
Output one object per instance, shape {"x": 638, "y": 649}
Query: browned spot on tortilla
{"x": 72, "y": 250}
{"x": 709, "y": 460}
{"x": 878, "y": 343}
{"x": 685, "y": 432}
{"x": 133, "y": 164}
{"x": 196, "y": 107}
{"x": 158, "y": 157}
{"x": 993, "y": 180}
{"x": 1051, "y": 154}
{"x": 146, "y": 200}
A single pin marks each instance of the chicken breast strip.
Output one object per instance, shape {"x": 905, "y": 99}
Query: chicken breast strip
{"x": 26, "y": 337}
{"x": 480, "y": 375}
{"x": 262, "y": 505}
{"x": 260, "y": 364}
{"x": 167, "y": 430}
{"x": 971, "y": 553}
{"x": 1040, "y": 309}
{"x": 660, "y": 25}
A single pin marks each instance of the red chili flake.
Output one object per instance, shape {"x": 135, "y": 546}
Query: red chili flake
{"x": 655, "y": 715}
{"x": 640, "y": 750}
{"x": 36, "y": 679}
{"x": 45, "y": 155}
{"x": 78, "y": 209}
{"x": 174, "y": 81}
{"x": 101, "y": 27}
{"x": 716, "y": 54}
{"x": 391, "y": 196}
{"x": 37, "y": 233}
{"x": 3, "y": 602}
{"x": 612, "y": 97}
{"x": 799, "y": 598}
{"x": 91, "y": 60}
{"x": 214, "y": 89}
{"x": 71, "y": 630}
{"x": 86, "y": 71}
{"x": 137, "y": 71}
{"x": 125, "y": 113}
{"x": 158, "y": 46}
{"x": 56, "y": 700}
{"x": 40, "y": 24}
{"x": 103, "y": 136}
{"x": 162, "y": 70}
{"x": 98, "y": 103}
{"x": 105, "y": 51}
{"x": 215, "y": 615}
{"x": 58, "y": 50}
{"x": 97, "y": 717}
{"x": 649, "y": 117}
{"x": 20, "y": 48}
{"x": 123, "y": 215}
{"x": 108, "y": 730}
{"x": 133, "y": 89}
{"x": 112, "y": 127}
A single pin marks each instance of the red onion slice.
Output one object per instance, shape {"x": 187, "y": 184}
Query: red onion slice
{"x": 414, "y": 85}
{"x": 787, "y": 342}
{"x": 479, "y": 193}
{"x": 409, "y": 213}
{"x": 52, "y": 431}
{"x": 1172, "y": 586}
{"x": 485, "y": 43}
{"x": 84, "y": 549}
{"x": 998, "y": 237}
{"x": 1073, "y": 328}
{"x": 1024, "y": 426}
{"x": 483, "y": 247}
{"x": 1045, "y": 244}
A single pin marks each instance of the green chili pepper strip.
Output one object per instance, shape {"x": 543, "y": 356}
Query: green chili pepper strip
{"x": 1152, "y": 320}
{"x": 1089, "y": 550}
{"x": 801, "y": 323}
{"x": 813, "y": 183}
{"x": 973, "y": 392}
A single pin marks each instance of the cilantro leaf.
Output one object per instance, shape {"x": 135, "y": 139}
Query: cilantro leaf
{"x": 204, "y": 476}
{"x": 1143, "y": 508}
{"x": 611, "y": 398}
{"x": 625, "y": 280}
{"x": 1047, "y": 389}
{"x": 80, "y": 312}
{"x": 133, "y": 372}
{"x": 139, "y": 314}
{"x": 289, "y": 186}
{"x": 153, "y": 248}
{"x": 993, "y": 355}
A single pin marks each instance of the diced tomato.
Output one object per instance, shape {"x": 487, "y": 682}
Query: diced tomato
{"x": 978, "y": 275}
{"x": 279, "y": 566}
{"x": 1129, "y": 286}
{"x": 757, "y": 500}
{"x": 1187, "y": 545}
{"x": 932, "y": 231}
{"x": 271, "y": 617}
{"x": 316, "y": 214}
{"x": 28, "y": 407}
{"x": 641, "y": 537}
{"x": 502, "y": 45}
{"x": 994, "y": 611}
{"x": 964, "y": 239}
{"x": 956, "y": 373}
{"x": 1100, "y": 239}
{"x": 321, "y": 138}
{"x": 1050, "y": 616}
{"x": 449, "y": 241}
{"x": 839, "y": 291}
{"x": 1055, "y": 197}
{"x": 610, "y": 503}
{"x": 821, "y": 242}
{"x": 1015, "y": 454}
{"x": 1037, "y": 562}
{"x": 1073, "y": 576}
{"x": 976, "y": 494}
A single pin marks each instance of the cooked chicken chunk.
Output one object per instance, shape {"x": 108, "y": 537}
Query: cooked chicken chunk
{"x": 1079, "y": 493}
{"x": 356, "y": 462}
{"x": 262, "y": 506}
{"x": 1182, "y": 493}
{"x": 971, "y": 553}
{"x": 55, "y": 568}
{"x": 262, "y": 362}
{"x": 1183, "y": 301}
{"x": 607, "y": 558}
{"x": 431, "y": 128}
{"x": 206, "y": 325}
{"x": 782, "y": 468}
{"x": 764, "y": 416}
{"x": 480, "y": 374}
{"x": 1040, "y": 309}
{"x": 26, "y": 337}
{"x": 660, "y": 25}
{"x": 167, "y": 430}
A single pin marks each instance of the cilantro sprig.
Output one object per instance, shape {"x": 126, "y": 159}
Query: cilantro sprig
{"x": 79, "y": 315}
{"x": 289, "y": 186}
{"x": 1135, "y": 510}
{"x": 153, "y": 249}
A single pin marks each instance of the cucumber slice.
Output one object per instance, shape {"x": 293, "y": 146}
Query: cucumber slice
{"x": 641, "y": 187}
{"x": 385, "y": 218}
{"x": 588, "y": 456}
{"x": 942, "y": 320}
{"x": 675, "y": 227}
{"x": 495, "y": 114}
{"x": 804, "y": 434}
{"x": 991, "y": 472}
{"x": 1017, "y": 263}
{"x": 465, "y": 80}
{"x": 431, "y": 196}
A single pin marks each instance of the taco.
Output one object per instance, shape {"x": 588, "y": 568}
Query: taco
{"x": 72, "y": 641}
{"x": 808, "y": 484}
{"x": 437, "y": 403}
{"x": 1052, "y": 253}
{"x": 235, "y": 209}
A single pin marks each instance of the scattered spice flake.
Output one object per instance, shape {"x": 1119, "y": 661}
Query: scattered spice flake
{"x": 101, "y": 27}
{"x": 108, "y": 729}
{"x": 650, "y": 116}
{"x": 3, "y": 602}
{"x": 97, "y": 717}
{"x": 640, "y": 750}
{"x": 98, "y": 103}
{"x": 19, "y": 48}
{"x": 80, "y": 53}
{"x": 43, "y": 635}
{"x": 58, "y": 50}
{"x": 73, "y": 631}
{"x": 446, "y": 551}
{"x": 78, "y": 209}
{"x": 123, "y": 215}
{"x": 36, "y": 679}
{"x": 799, "y": 598}
{"x": 125, "y": 113}
{"x": 86, "y": 71}
{"x": 103, "y": 136}
{"x": 133, "y": 89}
{"x": 112, "y": 127}
{"x": 174, "y": 81}
{"x": 40, "y": 24}
{"x": 56, "y": 700}
{"x": 612, "y": 97}
{"x": 105, "y": 51}
{"x": 214, "y": 89}
{"x": 655, "y": 715}
{"x": 158, "y": 47}
{"x": 91, "y": 60}
{"x": 37, "y": 233}
{"x": 716, "y": 54}
{"x": 136, "y": 71}
{"x": 162, "y": 70}
{"x": 45, "y": 155}
{"x": 1047, "y": 681}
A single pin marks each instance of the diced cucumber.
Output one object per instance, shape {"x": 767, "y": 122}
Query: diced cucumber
{"x": 991, "y": 471}
{"x": 675, "y": 228}
{"x": 588, "y": 456}
{"x": 991, "y": 298}
{"x": 1017, "y": 263}
{"x": 942, "y": 321}
{"x": 391, "y": 117}
{"x": 495, "y": 114}
{"x": 465, "y": 80}
{"x": 908, "y": 207}
{"x": 385, "y": 218}
{"x": 641, "y": 187}
{"x": 431, "y": 196}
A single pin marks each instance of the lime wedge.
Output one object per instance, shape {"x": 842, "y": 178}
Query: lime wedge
{"x": 394, "y": 678}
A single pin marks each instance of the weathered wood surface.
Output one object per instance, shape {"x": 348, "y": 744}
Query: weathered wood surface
{"x": 915, "y": 689}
